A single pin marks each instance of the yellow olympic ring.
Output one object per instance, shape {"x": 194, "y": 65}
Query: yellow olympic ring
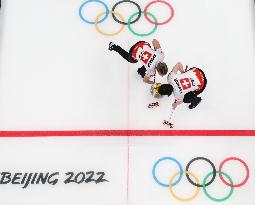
{"x": 109, "y": 34}
{"x": 180, "y": 198}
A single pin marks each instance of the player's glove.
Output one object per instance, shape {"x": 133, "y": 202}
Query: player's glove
{"x": 154, "y": 90}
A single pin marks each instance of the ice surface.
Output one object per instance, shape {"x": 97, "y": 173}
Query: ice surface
{"x": 56, "y": 71}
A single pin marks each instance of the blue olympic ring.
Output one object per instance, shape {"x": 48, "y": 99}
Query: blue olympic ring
{"x": 163, "y": 159}
{"x": 98, "y": 1}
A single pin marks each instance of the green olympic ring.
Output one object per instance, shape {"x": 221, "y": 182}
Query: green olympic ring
{"x": 141, "y": 34}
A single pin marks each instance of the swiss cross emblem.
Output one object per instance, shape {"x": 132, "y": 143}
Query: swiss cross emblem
{"x": 146, "y": 56}
{"x": 185, "y": 82}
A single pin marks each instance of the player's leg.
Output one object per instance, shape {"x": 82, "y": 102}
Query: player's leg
{"x": 121, "y": 51}
{"x": 195, "y": 102}
{"x": 128, "y": 56}
{"x": 192, "y": 98}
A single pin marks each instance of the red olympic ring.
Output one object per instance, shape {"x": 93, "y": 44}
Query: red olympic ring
{"x": 246, "y": 167}
{"x": 163, "y": 2}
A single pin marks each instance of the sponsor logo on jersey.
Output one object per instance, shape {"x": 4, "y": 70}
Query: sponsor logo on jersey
{"x": 178, "y": 85}
{"x": 152, "y": 59}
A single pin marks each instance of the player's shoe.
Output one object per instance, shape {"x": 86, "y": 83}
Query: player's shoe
{"x": 195, "y": 102}
{"x": 111, "y": 46}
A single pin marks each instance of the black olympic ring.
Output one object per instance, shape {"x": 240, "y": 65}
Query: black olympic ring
{"x": 207, "y": 160}
{"x": 126, "y": 1}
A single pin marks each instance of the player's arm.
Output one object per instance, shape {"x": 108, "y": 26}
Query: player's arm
{"x": 178, "y": 67}
{"x": 146, "y": 79}
{"x": 156, "y": 44}
{"x": 176, "y": 103}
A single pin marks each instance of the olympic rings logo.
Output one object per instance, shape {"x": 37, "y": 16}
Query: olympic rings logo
{"x": 117, "y": 17}
{"x": 227, "y": 180}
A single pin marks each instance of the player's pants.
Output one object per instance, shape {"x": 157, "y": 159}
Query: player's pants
{"x": 190, "y": 97}
{"x": 128, "y": 57}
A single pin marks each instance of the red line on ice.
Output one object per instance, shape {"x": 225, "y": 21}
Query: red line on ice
{"x": 62, "y": 133}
